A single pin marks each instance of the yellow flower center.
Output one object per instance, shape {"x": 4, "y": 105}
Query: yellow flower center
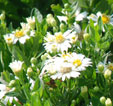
{"x": 77, "y": 62}
{"x": 105, "y": 19}
{"x": 19, "y": 33}
{"x": 59, "y": 38}
{"x": 65, "y": 55}
{"x": 9, "y": 39}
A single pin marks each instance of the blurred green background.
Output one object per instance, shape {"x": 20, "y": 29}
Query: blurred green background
{"x": 17, "y": 10}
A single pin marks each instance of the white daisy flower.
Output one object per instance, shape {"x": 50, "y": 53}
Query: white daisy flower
{"x": 80, "y": 62}
{"x": 66, "y": 66}
{"x": 16, "y": 66}
{"x": 57, "y": 68}
{"x": 3, "y": 90}
{"x": 9, "y": 38}
{"x": 60, "y": 42}
{"x": 25, "y": 27}
{"x": 19, "y": 35}
{"x": 105, "y": 19}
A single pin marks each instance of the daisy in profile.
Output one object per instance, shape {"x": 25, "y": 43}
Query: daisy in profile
{"x": 105, "y": 18}
{"x": 9, "y": 38}
{"x": 59, "y": 42}
{"x": 66, "y": 66}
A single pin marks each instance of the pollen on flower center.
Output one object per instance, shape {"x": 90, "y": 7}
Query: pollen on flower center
{"x": 105, "y": 19}
{"x": 65, "y": 55}
{"x": 59, "y": 38}
{"x": 9, "y": 39}
{"x": 19, "y": 34}
{"x": 77, "y": 62}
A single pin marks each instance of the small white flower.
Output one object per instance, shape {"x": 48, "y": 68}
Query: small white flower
{"x": 59, "y": 42}
{"x": 105, "y": 18}
{"x": 16, "y": 66}
{"x": 62, "y": 18}
{"x": 21, "y": 36}
{"x": 31, "y": 22}
{"x": 80, "y": 16}
{"x": 80, "y": 62}
{"x": 3, "y": 90}
{"x": 25, "y": 28}
{"x": 9, "y": 38}
{"x": 65, "y": 66}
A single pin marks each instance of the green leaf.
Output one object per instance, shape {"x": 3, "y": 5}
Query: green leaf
{"x": 35, "y": 99}
{"x": 56, "y": 9}
{"x": 6, "y": 76}
{"x": 47, "y": 103}
{"x": 19, "y": 55}
{"x": 100, "y": 24}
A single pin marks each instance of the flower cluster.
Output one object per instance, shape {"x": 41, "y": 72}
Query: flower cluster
{"x": 62, "y": 59}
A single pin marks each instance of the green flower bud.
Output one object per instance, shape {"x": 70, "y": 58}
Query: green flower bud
{"x": 33, "y": 60}
{"x": 73, "y": 103}
{"x": 100, "y": 67}
{"x": 102, "y": 100}
{"x": 96, "y": 88}
{"x": 53, "y": 22}
{"x": 84, "y": 90}
{"x": 107, "y": 74}
{"x": 62, "y": 26}
{"x": 66, "y": 5}
{"x": 45, "y": 56}
{"x": 86, "y": 36}
{"x": 29, "y": 71}
{"x": 49, "y": 16}
{"x": 2, "y": 16}
{"x": 108, "y": 102}
{"x": 12, "y": 83}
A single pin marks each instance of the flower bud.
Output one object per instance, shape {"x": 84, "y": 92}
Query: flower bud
{"x": 66, "y": 5}
{"x": 2, "y": 16}
{"x": 50, "y": 20}
{"x": 84, "y": 90}
{"x": 62, "y": 26}
{"x": 102, "y": 100}
{"x": 100, "y": 67}
{"x": 12, "y": 83}
{"x": 33, "y": 60}
{"x": 108, "y": 102}
{"x": 86, "y": 36}
{"x": 49, "y": 15}
{"x": 96, "y": 88}
{"x": 107, "y": 74}
{"x": 29, "y": 71}
{"x": 73, "y": 103}
{"x": 45, "y": 56}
